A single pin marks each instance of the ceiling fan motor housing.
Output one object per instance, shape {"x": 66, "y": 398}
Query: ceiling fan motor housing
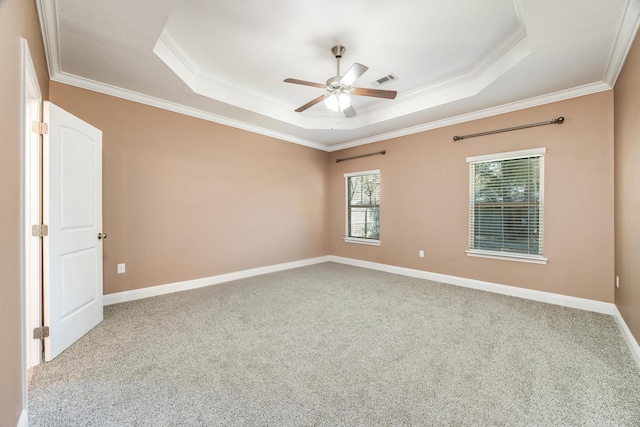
{"x": 338, "y": 51}
{"x": 334, "y": 83}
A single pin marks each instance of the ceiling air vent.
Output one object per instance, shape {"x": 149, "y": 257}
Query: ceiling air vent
{"x": 386, "y": 79}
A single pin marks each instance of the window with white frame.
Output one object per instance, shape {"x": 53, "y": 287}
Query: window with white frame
{"x": 506, "y": 205}
{"x": 363, "y": 207}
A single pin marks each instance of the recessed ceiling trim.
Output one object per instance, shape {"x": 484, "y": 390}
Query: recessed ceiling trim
{"x": 173, "y": 54}
{"x": 230, "y": 93}
{"x": 177, "y": 58}
{"x": 467, "y": 87}
{"x": 515, "y": 41}
{"x": 506, "y": 54}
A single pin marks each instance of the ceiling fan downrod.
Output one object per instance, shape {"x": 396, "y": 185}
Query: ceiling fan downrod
{"x": 338, "y": 51}
{"x": 334, "y": 82}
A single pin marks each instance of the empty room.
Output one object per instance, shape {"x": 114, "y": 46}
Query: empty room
{"x": 287, "y": 213}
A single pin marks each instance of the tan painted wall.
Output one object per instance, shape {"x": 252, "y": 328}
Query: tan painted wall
{"x": 627, "y": 197}
{"x": 184, "y": 198}
{"x": 164, "y": 171}
{"x": 425, "y": 190}
{"x": 18, "y": 18}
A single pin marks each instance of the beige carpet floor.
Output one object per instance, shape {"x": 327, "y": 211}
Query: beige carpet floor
{"x": 334, "y": 345}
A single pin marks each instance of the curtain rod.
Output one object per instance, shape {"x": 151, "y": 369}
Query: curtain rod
{"x": 558, "y": 121}
{"x": 383, "y": 152}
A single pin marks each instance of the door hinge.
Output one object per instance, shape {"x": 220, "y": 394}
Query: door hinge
{"x": 41, "y": 333}
{"x": 40, "y": 230}
{"x": 40, "y": 128}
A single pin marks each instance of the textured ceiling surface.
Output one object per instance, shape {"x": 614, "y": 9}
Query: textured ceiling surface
{"x": 227, "y": 61}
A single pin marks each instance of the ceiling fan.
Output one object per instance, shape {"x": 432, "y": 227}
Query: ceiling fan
{"x": 339, "y": 87}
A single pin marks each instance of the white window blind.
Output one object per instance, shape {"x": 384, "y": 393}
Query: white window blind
{"x": 506, "y": 204}
{"x": 363, "y": 205}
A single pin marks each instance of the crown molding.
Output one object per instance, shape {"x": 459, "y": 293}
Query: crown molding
{"x": 481, "y": 114}
{"x": 181, "y": 109}
{"x": 177, "y": 108}
{"x": 49, "y": 24}
{"x": 624, "y": 39}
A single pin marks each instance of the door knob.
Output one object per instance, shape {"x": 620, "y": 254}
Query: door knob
{"x": 102, "y": 236}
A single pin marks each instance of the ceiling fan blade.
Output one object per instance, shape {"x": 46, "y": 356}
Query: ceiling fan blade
{"x": 312, "y": 103}
{"x": 353, "y": 73}
{"x": 377, "y": 93}
{"x": 303, "y": 82}
{"x": 349, "y": 111}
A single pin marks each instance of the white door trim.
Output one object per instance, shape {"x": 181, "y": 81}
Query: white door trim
{"x": 31, "y": 211}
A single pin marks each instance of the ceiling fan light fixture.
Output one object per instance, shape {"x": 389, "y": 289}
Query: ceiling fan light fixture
{"x": 339, "y": 88}
{"x": 338, "y": 102}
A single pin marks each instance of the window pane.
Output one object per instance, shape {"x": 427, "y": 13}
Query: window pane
{"x": 364, "y": 190}
{"x": 507, "y": 229}
{"x": 364, "y": 223}
{"x": 506, "y": 205}
{"x": 363, "y": 197}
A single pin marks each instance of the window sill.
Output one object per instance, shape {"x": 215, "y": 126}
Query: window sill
{"x": 535, "y": 259}
{"x": 362, "y": 241}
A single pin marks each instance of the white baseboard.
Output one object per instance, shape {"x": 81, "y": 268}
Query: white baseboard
{"x": 548, "y": 297}
{"x": 551, "y": 298}
{"x": 628, "y": 336}
{"x": 153, "y": 291}
{"x": 24, "y": 419}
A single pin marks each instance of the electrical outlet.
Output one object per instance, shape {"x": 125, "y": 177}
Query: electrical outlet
{"x": 617, "y": 281}
{"x": 120, "y": 268}
{"x": 421, "y": 254}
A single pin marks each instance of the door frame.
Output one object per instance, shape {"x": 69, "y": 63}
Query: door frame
{"x": 31, "y": 214}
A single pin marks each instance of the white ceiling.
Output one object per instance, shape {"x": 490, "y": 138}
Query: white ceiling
{"x": 226, "y": 61}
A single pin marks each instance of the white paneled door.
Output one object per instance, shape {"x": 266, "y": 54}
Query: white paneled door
{"x": 72, "y": 208}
